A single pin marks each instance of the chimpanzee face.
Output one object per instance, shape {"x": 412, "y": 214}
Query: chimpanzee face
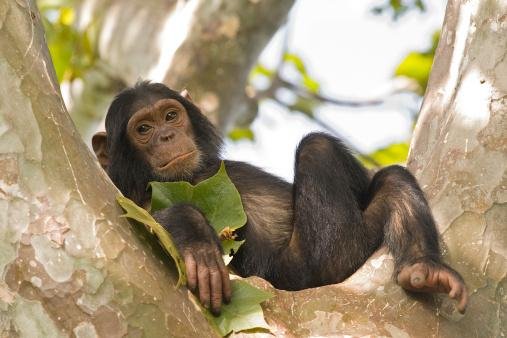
{"x": 154, "y": 134}
{"x": 162, "y": 132}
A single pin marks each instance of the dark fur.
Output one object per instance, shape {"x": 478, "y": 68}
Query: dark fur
{"x": 317, "y": 231}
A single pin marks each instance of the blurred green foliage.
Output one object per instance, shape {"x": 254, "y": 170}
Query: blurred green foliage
{"x": 73, "y": 52}
{"x": 306, "y": 80}
{"x": 395, "y": 153}
{"x": 304, "y": 87}
{"x": 305, "y": 105}
{"x": 399, "y": 7}
{"x": 417, "y": 65}
{"x": 260, "y": 70}
{"x": 241, "y": 134}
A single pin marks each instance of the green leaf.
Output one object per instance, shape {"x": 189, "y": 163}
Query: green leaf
{"x": 67, "y": 16}
{"x": 72, "y": 50}
{"x": 435, "y": 38}
{"x": 216, "y": 197}
{"x": 139, "y": 214}
{"x": 305, "y": 106}
{"x": 393, "y": 154}
{"x": 396, "y": 5}
{"x": 244, "y": 311}
{"x": 397, "y": 8}
{"x": 220, "y": 202}
{"x": 166, "y": 194}
{"x": 420, "y": 5}
{"x": 241, "y": 133}
{"x": 416, "y": 66}
{"x": 311, "y": 84}
{"x": 230, "y": 247}
{"x": 297, "y": 62}
{"x": 261, "y": 70}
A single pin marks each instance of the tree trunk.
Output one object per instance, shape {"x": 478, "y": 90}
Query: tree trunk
{"x": 459, "y": 154}
{"x": 224, "y": 42}
{"x": 69, "y": 265}
{"x": 207, "y": 47}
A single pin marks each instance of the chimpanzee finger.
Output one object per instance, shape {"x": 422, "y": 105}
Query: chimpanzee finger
{"x": 203, "y": 280}
{"x": 463, "y": 301}
{"x": 190, "y": 268}
{"x": 454, "y": 289}
{"x": 226, "y": 283}
{"x": 216, "y": 286}
{"x": 459, "y": 292}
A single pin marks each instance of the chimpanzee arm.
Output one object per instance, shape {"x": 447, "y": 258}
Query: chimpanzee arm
{"x": 197, "y": 241}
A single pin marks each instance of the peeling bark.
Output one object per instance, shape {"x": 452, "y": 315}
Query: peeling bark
{"x": 68, "y": 265}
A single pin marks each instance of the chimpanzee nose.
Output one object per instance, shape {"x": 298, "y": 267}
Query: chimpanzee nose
{"x": 166, "y": 136}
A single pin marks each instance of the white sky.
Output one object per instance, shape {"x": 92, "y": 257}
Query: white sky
{"x": 352, "y": 54}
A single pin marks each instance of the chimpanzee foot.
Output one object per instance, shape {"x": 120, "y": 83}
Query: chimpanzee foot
{"x": 434, "y": 278}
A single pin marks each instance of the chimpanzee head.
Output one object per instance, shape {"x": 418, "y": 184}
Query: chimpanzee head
{"x": 154, "y": 134}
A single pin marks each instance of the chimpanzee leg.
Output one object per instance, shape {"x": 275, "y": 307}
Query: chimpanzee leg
{"x": 330, "y": 239}
{"x": 397, "y": 203}
{"x": 340, "y": 218}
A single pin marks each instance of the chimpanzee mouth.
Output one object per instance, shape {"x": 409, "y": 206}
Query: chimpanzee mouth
{"x": 178, "y": 158}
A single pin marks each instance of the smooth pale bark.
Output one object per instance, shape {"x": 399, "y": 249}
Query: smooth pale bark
{"x": 459, "y": 154}
{"x": 69, "y": 265}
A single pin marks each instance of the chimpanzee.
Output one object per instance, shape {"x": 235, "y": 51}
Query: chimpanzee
{"x": 318, "y": 230}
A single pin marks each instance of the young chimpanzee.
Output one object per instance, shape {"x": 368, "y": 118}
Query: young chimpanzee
{"x": 317, "y": 231}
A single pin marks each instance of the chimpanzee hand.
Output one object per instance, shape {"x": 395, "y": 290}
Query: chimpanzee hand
{"x": 200, "y": 247}
{"x": 207, "y": 275}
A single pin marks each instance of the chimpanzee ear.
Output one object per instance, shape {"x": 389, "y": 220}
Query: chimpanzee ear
{"x": 186, "y": 95}
{"x": 99, "y": 144}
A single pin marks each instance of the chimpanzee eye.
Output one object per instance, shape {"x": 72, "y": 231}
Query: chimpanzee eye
{"x": 143, "y": 129}
{"x": 170, "y": 115}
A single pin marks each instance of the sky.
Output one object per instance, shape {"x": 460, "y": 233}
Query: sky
{"x": 352, "y": 54}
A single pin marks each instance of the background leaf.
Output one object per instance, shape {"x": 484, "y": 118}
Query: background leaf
{"x": 241, "y": 134}
{"x": 416, "y": 66}
{"x": 395, "y": 153}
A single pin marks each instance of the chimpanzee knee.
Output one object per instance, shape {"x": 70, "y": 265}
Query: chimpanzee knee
{"x": 398, "y": 178}
{"x": 317, "y": 147}
{"x": 324, "y": 159}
